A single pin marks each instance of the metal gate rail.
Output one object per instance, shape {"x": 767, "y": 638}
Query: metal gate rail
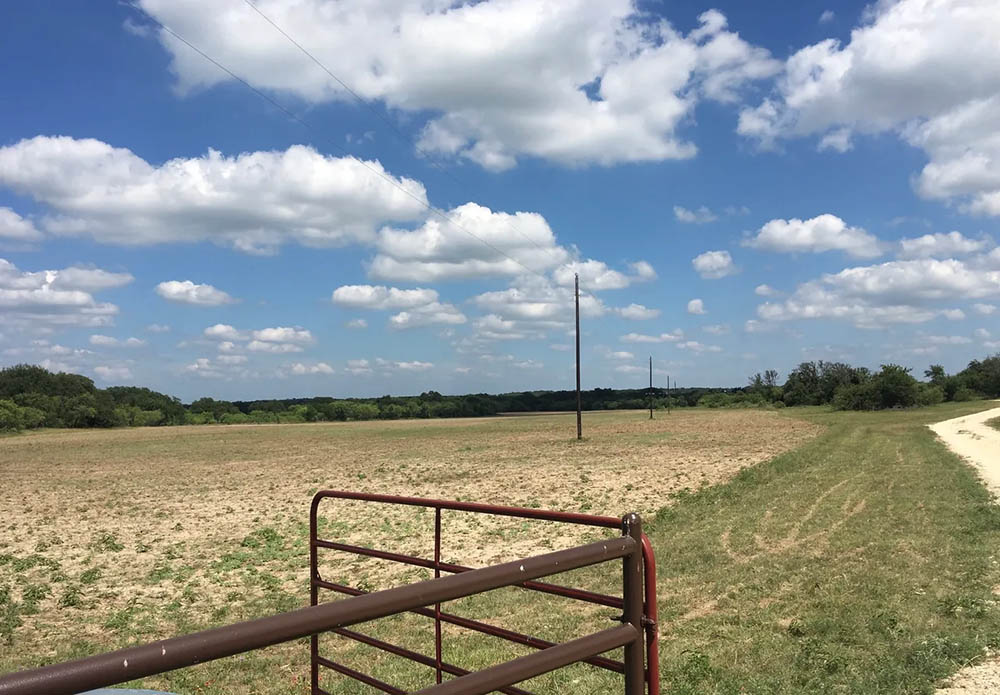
{"x": 646, "y": 620}
{"x": 158, "y": 657}
{"x": 638, "y": 618}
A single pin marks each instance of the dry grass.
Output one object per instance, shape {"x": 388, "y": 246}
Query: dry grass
{"x": 114, "y": 536}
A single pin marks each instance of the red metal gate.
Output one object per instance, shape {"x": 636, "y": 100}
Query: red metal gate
{"x": 638, "y": 606}
{"x": 647, "y": 619}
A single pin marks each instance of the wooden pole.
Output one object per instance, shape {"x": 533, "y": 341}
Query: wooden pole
{"x": 579, "y": 409}
{"x": 668, "y": 394}
{"x": 650, "y": 387}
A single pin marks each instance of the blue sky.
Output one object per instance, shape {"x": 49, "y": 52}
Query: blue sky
{"x": 740, "y": 188}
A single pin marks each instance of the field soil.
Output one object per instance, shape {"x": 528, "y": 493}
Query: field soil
{"x": 799, "y": 551}
{"x": 111, "y": 537}
{"x": 974, "y": 439}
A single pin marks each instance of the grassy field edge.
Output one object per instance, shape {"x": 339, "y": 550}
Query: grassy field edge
{"x": 862, "y": 562}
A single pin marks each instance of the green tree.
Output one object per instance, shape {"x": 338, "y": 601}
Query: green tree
{"x": 935, "y": 374}
{"x": 895, "y": 387}
{"x": 982, "y": 376}
{"x": 10, "y": 416}
{"x": 216, "y": 408}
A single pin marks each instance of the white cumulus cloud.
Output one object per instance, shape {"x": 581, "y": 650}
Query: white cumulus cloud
{"x": 300, "y": 368}
{"x": 594, "y": 276}
{"x": 700, "y": 216}
{"x": 284, "y": 334}
{"x": 254, "y": 202}
{"x": 410, "y": 366}
{"x": 696, "y": 306}
{"x": 381, "y": 297}
{"x": 927, "y": 71}
{"x": 570, "y": 81}
{"x": 420, "y": 306}
{"x": 108, "y": 341}
{"x": 695, "y": 346}
{"x": 473, "y": 241}
{"x": 642, "y": 271}
{"x": 895, "y": 292}
{"x": 187, "y": 292}
{"x": 940, "y": 246}
{"x": 223, "y": 331}
{"x": 821, "y": 233}
{"x": 13, "y": 227}
{"x": 674, "y": 337}
{"x": 358, "y": 367}
{"x": 45, "y": 299}
{"x": 713, "y": 265}
{"x": 275, "y": 348}
{"x": 426, "y": 315}
{"x": 112, "y": 373}
{"x": 946, "y": 339}
{"x": 637, "y": 312}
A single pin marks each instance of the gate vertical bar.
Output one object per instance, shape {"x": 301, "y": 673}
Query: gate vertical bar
{"x": 313, "y": 596}
{"x": 651, "y": 618}
{"x": 632, "y": 576}
{"x": 437, "y": 606}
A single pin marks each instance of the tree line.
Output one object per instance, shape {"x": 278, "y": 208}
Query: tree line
{"x": 845, "y": 387}
{"x": 33, "y": 397}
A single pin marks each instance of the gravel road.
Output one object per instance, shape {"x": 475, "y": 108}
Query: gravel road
{"x": 979, "y": 444}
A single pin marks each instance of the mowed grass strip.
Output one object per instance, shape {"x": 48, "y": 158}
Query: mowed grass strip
{"x": 863, "y": 562}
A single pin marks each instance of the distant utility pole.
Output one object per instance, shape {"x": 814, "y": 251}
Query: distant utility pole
{"x": 650, "y": 387}
{"x": 579, "y": 409}
{"x": 668, "y": 394}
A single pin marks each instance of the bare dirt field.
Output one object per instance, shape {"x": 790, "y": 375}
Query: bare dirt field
{"x": 112, "y": 536}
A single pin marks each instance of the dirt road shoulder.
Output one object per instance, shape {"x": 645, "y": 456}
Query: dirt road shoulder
{"x": 971, "y": 438}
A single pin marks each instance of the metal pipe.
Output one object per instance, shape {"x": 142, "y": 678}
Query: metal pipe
{"x": 314, "y": 688}
{"x": 635, "y": 669}
{"x": 651, "y": 621}
{"x": 486, "y": 629}
{"x": 359, "y": 676}
{"x": 544, "y": 587}
{"x": 496, "y": 509}
{"x": 412, "y": 656}
{"x": 157, "y": 657}
{"x": 510, "y": 672}
{"x": 437, "y": 606}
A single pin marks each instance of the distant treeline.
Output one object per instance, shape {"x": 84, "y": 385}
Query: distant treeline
{"x": 32, "y": 397}
{"x": 857, "y": 388}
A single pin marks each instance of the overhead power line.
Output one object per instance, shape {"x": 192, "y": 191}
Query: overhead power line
{"x": 305, "y": 124}
{"x": 367, "y": 104}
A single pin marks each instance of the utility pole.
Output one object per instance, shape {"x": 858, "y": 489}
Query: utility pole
{"x": 579, "y": 413}
{"x": 650, "y": 387}
{"x": 668, "y": 394}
